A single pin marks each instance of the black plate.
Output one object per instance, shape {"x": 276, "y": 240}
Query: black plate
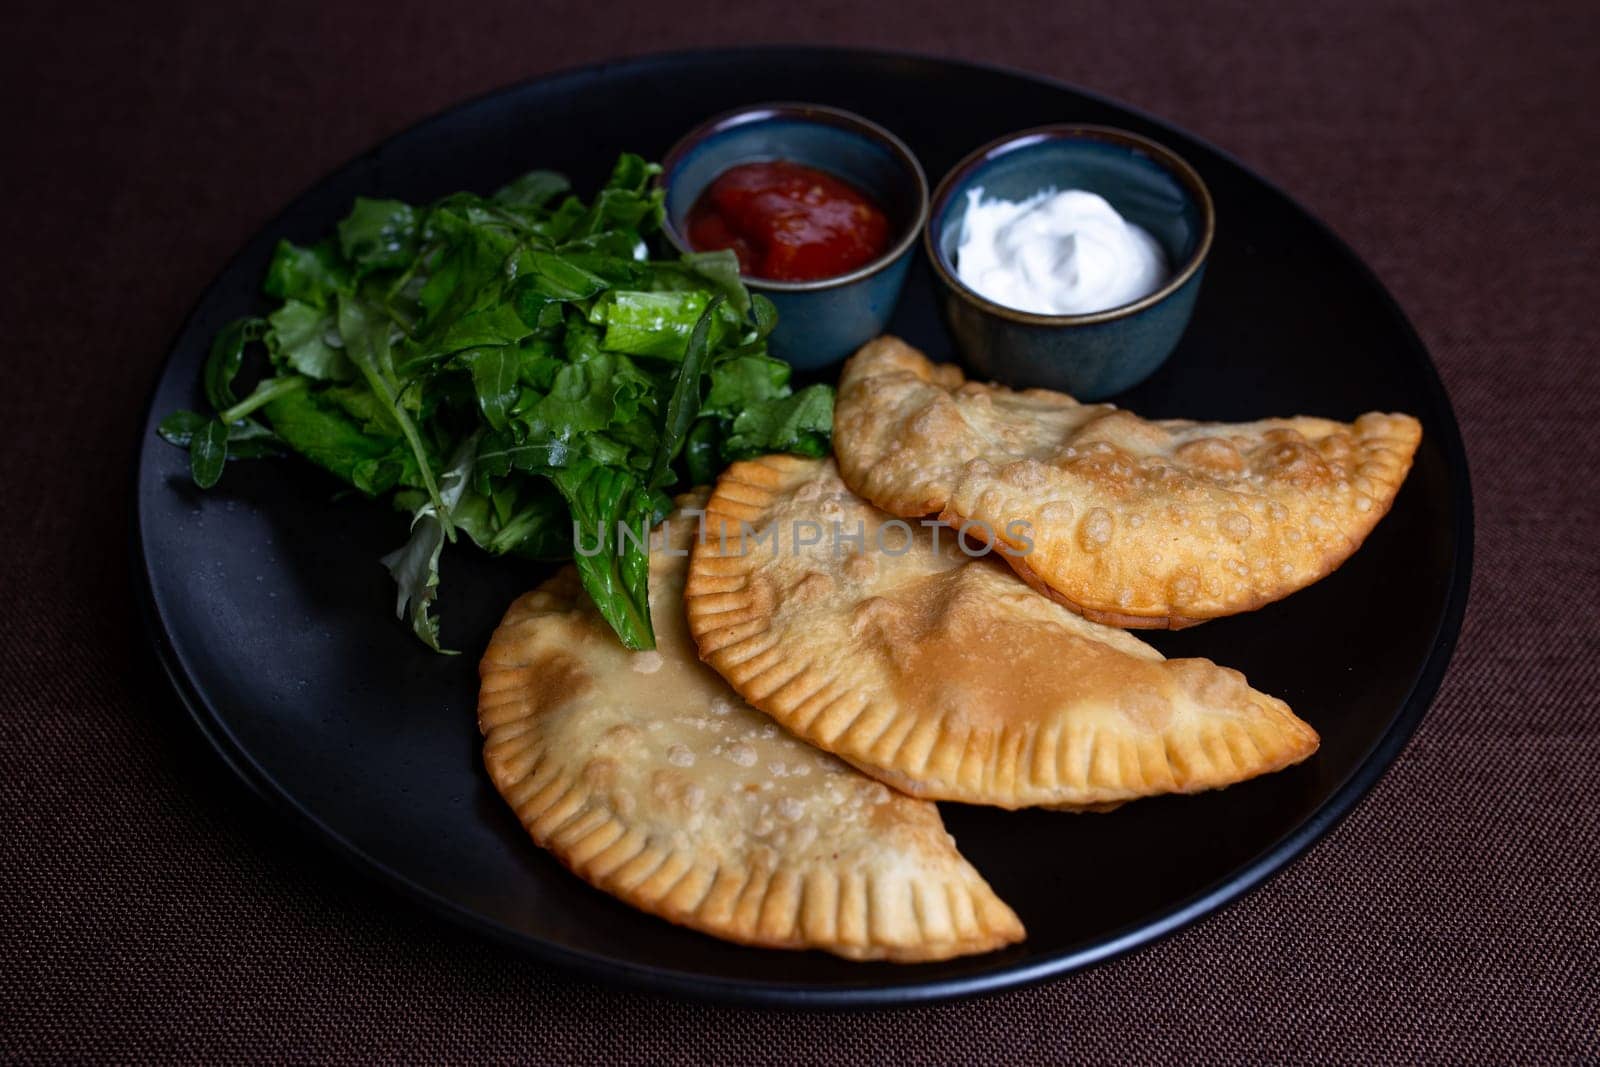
{"x": 272, "y": 616}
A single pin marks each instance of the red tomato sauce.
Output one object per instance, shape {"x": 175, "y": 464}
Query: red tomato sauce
{"x": 788, "y": 222}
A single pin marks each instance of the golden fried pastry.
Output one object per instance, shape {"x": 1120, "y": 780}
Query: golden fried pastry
{"x": 648, "y": 777}
{"x": 1128, "y": 521}
{"x": 942, "y": 674}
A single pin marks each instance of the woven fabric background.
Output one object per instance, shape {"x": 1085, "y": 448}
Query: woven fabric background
{"x": 150, "y": 907}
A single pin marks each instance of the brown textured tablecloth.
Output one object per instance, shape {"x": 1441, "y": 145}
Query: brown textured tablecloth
{"x": 151, "y": 907}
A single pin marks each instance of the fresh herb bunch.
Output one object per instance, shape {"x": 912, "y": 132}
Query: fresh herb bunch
{"x": 511, "y": 367}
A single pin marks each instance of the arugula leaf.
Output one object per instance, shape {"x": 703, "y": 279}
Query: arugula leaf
{"x": 702, "y": 452}
{"x": 226, "y": 357}
{"x": 765, "y": 315}
{"x": 534, "y": 189}
{"x": 800, "y": 423}
{"x": 495, "y": 378}
{"x": 328, "y": 436}
{"x": 685, "y": 402}
{"x": 627, "y": 202}
{"x": 300, "y": 335}
{"x": 604, "y": 391}
{"x": 466, "y": 273}
{"x": 498, "y": 456}
{"x": 180, "y": 427}
{"x": 246, "y": 439}
{"x": 415, "y": 569}
{"x": 558, "y": 277}
{"x": 378, "y": 234}
{"x": 611, "y": 520}
{"x": 310, "y": 275}
{"x": 739, "y": 382}
{"x": 498, "y": 324}
{"x": 266, "y": 390}
{"x": 208, "y": 451}
{"x": 616, "y": 267}
{"x": 366, "y": 340}
{"x": 415, "y": 564}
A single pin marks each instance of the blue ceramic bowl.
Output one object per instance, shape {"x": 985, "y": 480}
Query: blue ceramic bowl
{"x": 819, "y": 322}
{"x": 1090, "y": 356}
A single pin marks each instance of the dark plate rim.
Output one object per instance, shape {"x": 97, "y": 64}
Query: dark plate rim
{"x": 1003, "y": 976}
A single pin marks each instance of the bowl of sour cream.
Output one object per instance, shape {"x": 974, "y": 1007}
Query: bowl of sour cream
{"x": 1070, "y": 257}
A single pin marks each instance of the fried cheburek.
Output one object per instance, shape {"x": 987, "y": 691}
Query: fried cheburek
{"x": 648, "y": 777}
{"x": 943, "y": 675}
{"x": 1128, "y": 521}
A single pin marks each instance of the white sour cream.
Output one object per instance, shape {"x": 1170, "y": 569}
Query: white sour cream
{"x": 1056, "y": 253}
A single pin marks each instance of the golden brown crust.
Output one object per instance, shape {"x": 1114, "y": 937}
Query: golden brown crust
{"x": 1131, "y": 522}
{"x": 650, "y": 779}
{"x": 943, "y": 675}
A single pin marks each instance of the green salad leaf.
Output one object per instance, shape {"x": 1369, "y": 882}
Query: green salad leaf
{"x": 517, "y": 370}
{"x": 208, "y": 451}
{"x": 613, "y": 507}
{"x": 685, "y": 401}
{"x": 800, "y": 422}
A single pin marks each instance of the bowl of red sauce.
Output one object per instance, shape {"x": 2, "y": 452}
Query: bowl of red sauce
{"x": 822, "y": 207}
